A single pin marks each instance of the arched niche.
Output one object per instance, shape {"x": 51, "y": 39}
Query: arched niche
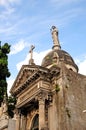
{"x": 35, "y": 123}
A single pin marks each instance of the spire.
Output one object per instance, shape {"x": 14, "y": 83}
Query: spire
{"x": 56, "y": 43}
{"x": 31, "y": 61}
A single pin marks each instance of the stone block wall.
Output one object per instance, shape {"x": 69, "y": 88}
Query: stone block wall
{"x": 71, "y": 102}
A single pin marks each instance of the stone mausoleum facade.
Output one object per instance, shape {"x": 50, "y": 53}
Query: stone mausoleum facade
{"x": 51, "y": 96}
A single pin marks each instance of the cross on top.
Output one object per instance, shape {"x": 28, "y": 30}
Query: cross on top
{"x": 31, "y": 61}
{"x": 31, "y": 49}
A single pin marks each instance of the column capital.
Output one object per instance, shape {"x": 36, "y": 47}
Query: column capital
{"x": 41, "y": 96}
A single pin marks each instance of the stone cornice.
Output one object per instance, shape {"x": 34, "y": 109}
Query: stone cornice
{"x": 29, "y": 96}
{"x": 37, "y": 71}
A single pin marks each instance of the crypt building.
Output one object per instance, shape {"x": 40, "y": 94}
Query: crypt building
{"x": 51, "y": 96}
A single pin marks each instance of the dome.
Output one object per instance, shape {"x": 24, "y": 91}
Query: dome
{"x": 57, "y": 56}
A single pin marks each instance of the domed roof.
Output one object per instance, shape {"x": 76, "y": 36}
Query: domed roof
{"x": 57, "y": 55}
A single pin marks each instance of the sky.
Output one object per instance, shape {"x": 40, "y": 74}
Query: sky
{"x": 28, "y": 22}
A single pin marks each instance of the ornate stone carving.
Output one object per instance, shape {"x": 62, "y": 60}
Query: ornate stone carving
{"x": 41, "y": 96}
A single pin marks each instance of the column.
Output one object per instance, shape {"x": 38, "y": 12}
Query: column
{"x": 18, "y": 122}
{"x": 23, "y": 122}
{"x": 17, "y": 117}
{"x": 41, "y": 114}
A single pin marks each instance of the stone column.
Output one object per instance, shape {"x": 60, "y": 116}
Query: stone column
{"x": 50, "y": 117}
{"x": 41, "y": 114}
{"x": 23, "y": 122}
{"x": 18, "y": 118}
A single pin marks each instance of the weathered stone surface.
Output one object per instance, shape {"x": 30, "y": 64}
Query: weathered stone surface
{"x": 4, "y": 122}
{"x": 11, "y": 124}
{"x": 71, "y": 101}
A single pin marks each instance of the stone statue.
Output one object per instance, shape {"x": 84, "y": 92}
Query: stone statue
{"x": 56, "y": 43}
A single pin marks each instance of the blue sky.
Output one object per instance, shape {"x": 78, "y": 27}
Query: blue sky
{"x": 27, "y": 22}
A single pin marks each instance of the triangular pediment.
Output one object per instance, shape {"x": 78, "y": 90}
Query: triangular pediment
{"x": 25, "y": 72}
{"x": 27, "y": 76}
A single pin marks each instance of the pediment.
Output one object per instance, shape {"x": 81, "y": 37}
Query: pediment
{"x": 27, "y": 75}
{"x": 25, "y": 72}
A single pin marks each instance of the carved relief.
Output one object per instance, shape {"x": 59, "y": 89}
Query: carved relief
{"x": 41, "y": 96}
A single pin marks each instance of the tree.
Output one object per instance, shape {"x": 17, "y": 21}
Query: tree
{"x": 4, "y": 71}
{"x": 11, "y": 106}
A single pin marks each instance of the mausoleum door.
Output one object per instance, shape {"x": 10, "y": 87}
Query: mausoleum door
{"x": 35, "y": 123}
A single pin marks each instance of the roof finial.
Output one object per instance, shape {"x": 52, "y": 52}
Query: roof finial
{"x": 31, "y": 61}
{"x": 56, "y": 43}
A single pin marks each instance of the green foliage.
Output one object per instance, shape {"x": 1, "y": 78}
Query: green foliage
{"x": 4, "y": 71}
{"x": 3, "y": 61}
{"x": 11, "y": 105}
{"x": 6, "y": 48}
{"x": 57, "y": 88}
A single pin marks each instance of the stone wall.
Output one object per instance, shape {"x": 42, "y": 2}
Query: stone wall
{"x": 71, "y": 102}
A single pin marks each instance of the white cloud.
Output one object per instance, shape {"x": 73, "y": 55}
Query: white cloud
{"x": 7, "y": 12}
{"x": 82, "y": 67}
{"x": 7, "y": 2}
{"x": 18, "y": 47}
{"x": 10, "y": 83}
{"x": 3, "y": 2}
{"x": 8, "y": 8}
{"x": 81, "y": 62}
{"x": 36, "y": 56}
